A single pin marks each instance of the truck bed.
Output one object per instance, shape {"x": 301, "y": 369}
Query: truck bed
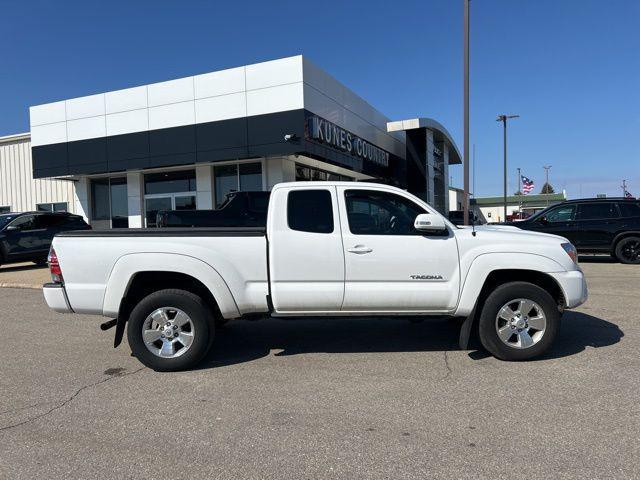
{"x": 97, "y": 264}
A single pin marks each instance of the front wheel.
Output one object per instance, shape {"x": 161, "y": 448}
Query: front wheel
{"x": 519, "y": 321}
{"x": 628, "y": 250}
{"x": 170, "y": 330}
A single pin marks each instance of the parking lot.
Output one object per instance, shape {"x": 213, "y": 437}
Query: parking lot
{"x": 332, "y": 398}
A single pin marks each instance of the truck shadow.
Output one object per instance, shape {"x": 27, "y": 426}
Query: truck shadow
{"x": 244, "y": 341}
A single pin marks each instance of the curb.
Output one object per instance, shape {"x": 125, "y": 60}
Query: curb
{"x": 29, "y": 286}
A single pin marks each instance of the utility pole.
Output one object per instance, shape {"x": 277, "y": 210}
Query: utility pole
{"x": 546, "y": 171}
{"x": 518, "y": 190}
{"x": 465, "y": 195}
{"x": 503, "y": 119}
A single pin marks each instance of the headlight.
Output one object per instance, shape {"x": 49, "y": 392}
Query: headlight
{"x": 571, "y": 251}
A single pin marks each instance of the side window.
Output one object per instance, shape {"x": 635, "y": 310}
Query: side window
{"x": 629, "y": 209}
{"x": 26, "y": 222}
{"x": 597, "y": 211}
{"x": 372, "y": 212}
{"x": 49, "y": 221}
{"x": 310, "y": 211}
{"x": 566, "y": 213}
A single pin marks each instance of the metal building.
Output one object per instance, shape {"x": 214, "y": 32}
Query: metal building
{"x": 19, "y": 191}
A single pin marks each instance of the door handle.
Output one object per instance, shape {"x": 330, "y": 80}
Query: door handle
{"x": 359, "y": 249}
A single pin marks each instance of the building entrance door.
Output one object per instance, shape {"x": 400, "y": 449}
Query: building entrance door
{"x": 176, "y": 201}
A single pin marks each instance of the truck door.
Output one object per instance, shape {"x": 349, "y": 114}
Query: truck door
{"x": 389, "y": 266}
{"x": 306, "y": 261}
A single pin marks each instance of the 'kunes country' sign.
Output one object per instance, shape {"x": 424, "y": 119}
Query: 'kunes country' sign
{"x": 328, "y": 133}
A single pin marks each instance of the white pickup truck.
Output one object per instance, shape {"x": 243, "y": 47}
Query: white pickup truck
{"x": 329, "y": 248}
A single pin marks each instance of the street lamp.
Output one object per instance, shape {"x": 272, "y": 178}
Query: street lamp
{"x": 465, "y": 196}
{"x": 503, "y": 119}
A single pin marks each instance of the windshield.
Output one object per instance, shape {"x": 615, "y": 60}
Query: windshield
{"x": 5, "y": 219}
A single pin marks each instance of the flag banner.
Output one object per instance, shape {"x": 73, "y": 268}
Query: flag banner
{"x": 628, "y": 195}
{"x": 527, "y": 185}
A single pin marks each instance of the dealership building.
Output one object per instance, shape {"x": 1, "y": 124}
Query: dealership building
{"x": 186, "y": 143}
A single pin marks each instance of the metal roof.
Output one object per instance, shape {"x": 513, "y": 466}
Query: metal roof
{"x": 520, "y": 199}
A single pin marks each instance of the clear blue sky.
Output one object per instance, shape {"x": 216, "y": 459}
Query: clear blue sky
{"x": 570, "y": 68}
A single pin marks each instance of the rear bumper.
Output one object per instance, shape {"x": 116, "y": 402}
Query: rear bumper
{"x": 574, "y": 287}
{"x": 56, "y": 297}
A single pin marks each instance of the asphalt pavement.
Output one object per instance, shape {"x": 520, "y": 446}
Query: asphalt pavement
{"x": 324, "y": 398}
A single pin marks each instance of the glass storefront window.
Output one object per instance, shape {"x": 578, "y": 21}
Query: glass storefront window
{"x": 52, "y": 207}
{"x": 232, "y": 178}
{"x": 307, "y": 174}
{"x": 109, "y": 201}
{"x": 170, "y": 182}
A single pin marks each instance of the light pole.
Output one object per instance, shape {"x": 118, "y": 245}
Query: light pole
{"x": 503, "y": 119}
{"x": 547, "y": 168}
{"x": 465, "y": 195}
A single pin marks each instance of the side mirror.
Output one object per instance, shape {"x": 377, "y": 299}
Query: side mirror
{"x": 427, "y": 222}
{"x": 11, "y": 228}
{"x": 543, "y": 220}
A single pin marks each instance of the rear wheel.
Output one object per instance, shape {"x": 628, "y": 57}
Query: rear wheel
{"x": 170, "y": 330}
{"x": 628, "y": 250}
{"x": 519, "y": 321}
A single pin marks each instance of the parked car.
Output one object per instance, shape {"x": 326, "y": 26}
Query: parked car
{"x": 26, "y": 237}
{"x": 599, "y": 225}
{"x": 239, "y": 209}
{"x": 329, "y": 248}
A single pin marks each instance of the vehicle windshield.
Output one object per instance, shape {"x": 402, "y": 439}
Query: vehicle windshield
{"x": 5, "y": 220}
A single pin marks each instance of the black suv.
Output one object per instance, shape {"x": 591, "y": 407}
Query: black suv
{"x": 602, "y": 225}
{"x": 27, "y": 236}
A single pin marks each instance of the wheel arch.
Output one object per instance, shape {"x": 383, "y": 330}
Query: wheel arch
{"x": 489, "y": 271}
{"x": 622, "y": 236}
{"x": 147, "y": 272}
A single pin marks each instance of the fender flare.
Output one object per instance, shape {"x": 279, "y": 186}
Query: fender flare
{"x": 485, "y": 264}
{"x": 127, "y": 266}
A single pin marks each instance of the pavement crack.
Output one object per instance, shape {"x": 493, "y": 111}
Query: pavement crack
{"x": 65, "y": 402}
{"x": 446, "y": 364}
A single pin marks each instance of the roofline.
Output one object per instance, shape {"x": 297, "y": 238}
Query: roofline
{"x": 15, "y": 137}
{"x": 425, "y": 122}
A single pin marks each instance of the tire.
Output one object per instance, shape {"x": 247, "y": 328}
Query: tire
{"x": 178, "y": 311}
{"x": 628, "y": 251}
{"x": 508, "y": 301}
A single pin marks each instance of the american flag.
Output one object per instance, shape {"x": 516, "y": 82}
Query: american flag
{"x": 628, "y": 194}
{"x": 527, "y": 185}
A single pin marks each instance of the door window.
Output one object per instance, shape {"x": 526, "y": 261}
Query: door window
{"x": 630, "y": 209}
{"x": 310, "y": 211}
{"x": 597, "y": 211}
{"x": 153, "y": 205}
{"x": 566, "y": 213}
{"x": 372, "y": 212}
{"x": 49, "y": 221}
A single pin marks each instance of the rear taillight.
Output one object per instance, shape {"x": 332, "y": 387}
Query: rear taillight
{"x": 54, "y": 267}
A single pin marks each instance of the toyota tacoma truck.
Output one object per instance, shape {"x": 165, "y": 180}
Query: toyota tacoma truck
{"x": 328, "y": 248}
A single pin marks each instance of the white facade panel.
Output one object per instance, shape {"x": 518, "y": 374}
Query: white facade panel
{"x": 48, "y": 134}
{"x": 223, "y": 107}
{"x": 275, "y": 72}
{"x": 128, "y": 122}
{"x": 173, "y": 91}
{"x": 86, "y": 128}
{"x": 173, "y": 115}
{"x": 275, "y": 99}
{"x": 48, "y": 113}
{"x": 223, "y": 82}
{"x": 18, "y": 189}
{"x": 84, "y": 107}
{"x": 127, "y": 99}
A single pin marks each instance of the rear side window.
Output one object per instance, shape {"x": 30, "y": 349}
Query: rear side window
{"x": 310, "y": 211}
{"x": 597, "y": 211}
{"x": 629, "y": 209}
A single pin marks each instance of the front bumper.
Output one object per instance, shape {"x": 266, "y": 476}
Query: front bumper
{"x": 56, "y": 297}
{"x": 574, "y": 287}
